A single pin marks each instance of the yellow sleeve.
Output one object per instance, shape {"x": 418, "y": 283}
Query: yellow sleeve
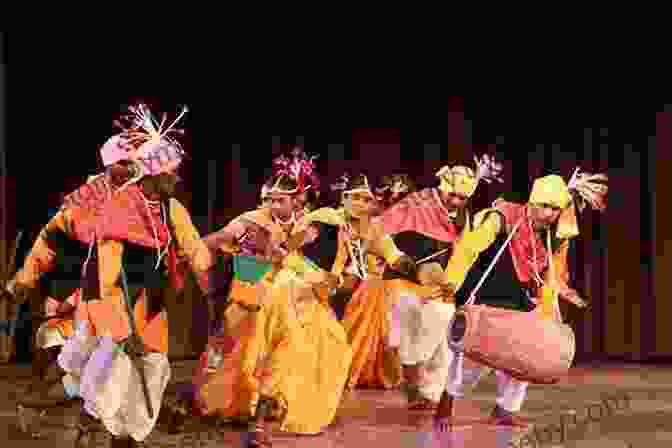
{"x": 470, "y": 245}
{"x": 42, "y": 255}
{"x": 342, "y": 257}
{"x": 326, "y": 215}
{"x": 189, "y": 242}
{"x": 560, "y": 266}
{"x": 383, "y": 245}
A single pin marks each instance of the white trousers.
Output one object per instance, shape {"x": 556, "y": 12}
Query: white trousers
{"x": 510, "y": 392}
{"x": 423, "y": 340}
{"x": 109, "y": 383}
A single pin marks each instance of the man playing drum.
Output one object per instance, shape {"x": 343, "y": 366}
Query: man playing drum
{"x": 531, "y": 277}
{"x": 425, "y": 225}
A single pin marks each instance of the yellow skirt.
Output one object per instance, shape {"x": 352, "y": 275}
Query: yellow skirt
{"x": 367, "y": 326}
{"x": 292, "y": 350}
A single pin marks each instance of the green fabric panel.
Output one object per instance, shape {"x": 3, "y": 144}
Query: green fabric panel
{"x": 249, "y": 269}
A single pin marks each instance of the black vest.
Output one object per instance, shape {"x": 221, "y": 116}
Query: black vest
{"x": 138, "y": 263}
{"x": 501, "y": 289}
{"x": 323, "y": 250}
{"x": 418, "y": 246}
{"x": 66, "y": 275}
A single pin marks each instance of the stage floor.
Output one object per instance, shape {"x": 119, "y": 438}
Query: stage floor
{"x": 614, "y": 405}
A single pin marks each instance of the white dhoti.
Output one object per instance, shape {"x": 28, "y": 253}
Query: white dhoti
{"x": 108, "y": 382}
{"x": 510, "y": 391}
{"x": 423, "y": 340}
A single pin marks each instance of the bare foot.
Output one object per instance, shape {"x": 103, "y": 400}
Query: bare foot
{"x": 422, "y": 405}
{"x": 509, "y": 419}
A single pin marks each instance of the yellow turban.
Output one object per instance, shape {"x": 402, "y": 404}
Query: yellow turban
{"x": 458, "y": 179}
{"x": 552, "y": 190}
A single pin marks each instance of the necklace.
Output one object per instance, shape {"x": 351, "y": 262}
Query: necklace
{"x": 159, "y": 252}
{"x": 357, "y": 251}
{"x": 289, "y": 220}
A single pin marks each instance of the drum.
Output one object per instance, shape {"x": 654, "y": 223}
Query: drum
{"x": 522, "y": 344}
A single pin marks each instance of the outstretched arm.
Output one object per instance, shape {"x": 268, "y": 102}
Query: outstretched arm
{"x": 42, "y": 256}
{"x": 561, "y": 276}
{"x": 190, "y": 245}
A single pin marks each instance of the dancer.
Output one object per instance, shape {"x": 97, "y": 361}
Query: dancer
{"x": 304, "y": 167}
{"x": 531, "y": 278}
{"x": 117, "y": 359}
{"x": 61, "y": 285}
{"x": 393, "y": 189}
{"x": 51, "y": 334}
{"x": 426, "y": 224}
{"x": 366, "y": 320}
{"x": 280, "y": 351}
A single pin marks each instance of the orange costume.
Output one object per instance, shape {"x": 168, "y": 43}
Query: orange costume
{"x": 131, "y": 246}
{"x": 291, "y": 352}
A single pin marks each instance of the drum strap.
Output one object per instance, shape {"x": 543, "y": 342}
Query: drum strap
{"x": 472, "y": 297}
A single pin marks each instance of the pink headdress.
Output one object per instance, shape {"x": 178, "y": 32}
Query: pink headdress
{"x": 114, "y": 150}
{"x": 300, "y": 168}
{"x": 342, "y": 183}
{"x": 157, "y": 151}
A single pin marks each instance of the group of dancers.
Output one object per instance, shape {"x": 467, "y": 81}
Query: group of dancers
{"x": 307, "y": 300}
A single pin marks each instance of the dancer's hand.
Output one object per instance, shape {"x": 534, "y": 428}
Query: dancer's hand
{"x": 332, "y": 281}
{"x": 296, "y": 240}
{"x": 134, "y": 346}
{"x": 442, "y": 292}
{"x": 12, "y": 308}
{"x": 572, "y": 296}
{"x": 16, "y": 292}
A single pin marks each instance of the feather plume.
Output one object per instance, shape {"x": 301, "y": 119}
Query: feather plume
{"x": 588, "y": 189}
{"x": 299, "y": 167}
{"x": 488, "y": 170}
{"x": 140, "y": 126}
{"x": 341, "y": 184}
{"x": 399, "y": 187}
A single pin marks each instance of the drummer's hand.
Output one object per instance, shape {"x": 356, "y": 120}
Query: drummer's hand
{"x": 571, "y": 295}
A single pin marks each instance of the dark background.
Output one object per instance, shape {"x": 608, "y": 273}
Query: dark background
{"x": 58, "y": 117}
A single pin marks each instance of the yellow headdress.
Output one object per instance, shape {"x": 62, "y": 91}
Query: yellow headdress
{"x": 462, "y": 179}
{"x": 553, "y": 190}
